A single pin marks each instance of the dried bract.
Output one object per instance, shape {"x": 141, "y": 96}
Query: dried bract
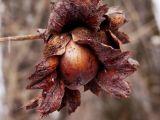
{"x": 82, "y": 48}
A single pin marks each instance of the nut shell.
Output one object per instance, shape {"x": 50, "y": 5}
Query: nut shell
{"x": 78, "y": 65}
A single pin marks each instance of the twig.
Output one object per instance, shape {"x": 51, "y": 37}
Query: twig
{"x": 21, "y": 38}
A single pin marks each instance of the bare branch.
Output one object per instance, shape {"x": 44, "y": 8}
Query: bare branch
{"x": 21, "y": 38}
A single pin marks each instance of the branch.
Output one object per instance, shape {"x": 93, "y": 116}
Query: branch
{"x": 21, "y": 38}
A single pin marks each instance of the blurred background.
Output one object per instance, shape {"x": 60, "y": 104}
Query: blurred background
{"x": 17, "y": 60}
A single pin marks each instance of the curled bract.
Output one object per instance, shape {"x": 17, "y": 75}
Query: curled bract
{"x": 82, "y": 48}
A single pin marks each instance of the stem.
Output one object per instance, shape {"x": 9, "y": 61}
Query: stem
{"x": 21, "y": 38}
